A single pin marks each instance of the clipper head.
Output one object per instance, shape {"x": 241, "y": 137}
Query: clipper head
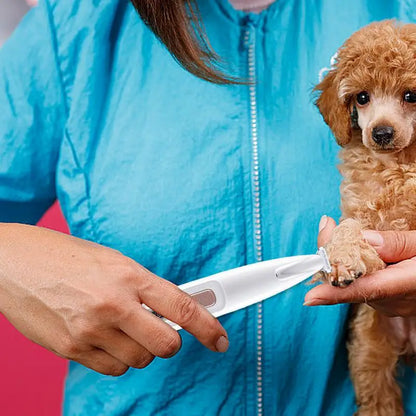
{"x": 327, "y": 265}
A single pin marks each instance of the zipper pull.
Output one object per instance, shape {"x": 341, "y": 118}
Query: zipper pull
{"x": 249, "y": 31}
{"x": 249, "y": 35}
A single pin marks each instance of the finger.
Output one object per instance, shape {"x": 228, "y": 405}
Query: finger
{"x": 179, "y": 307}
{"x": 326, "y": 227}
{"x": 392, "y": 246}
{"x": 151, "y": 332}
{"x": 125, "y": 349}
{"x": 101, "y": 362}
{"x": 395, "y": 280}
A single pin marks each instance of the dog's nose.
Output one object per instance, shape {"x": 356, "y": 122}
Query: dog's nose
{"x": 383, "y": 135}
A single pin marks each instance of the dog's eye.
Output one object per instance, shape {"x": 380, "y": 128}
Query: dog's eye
{"x": 363, "y": 98}
{"x": 410, "y": 96}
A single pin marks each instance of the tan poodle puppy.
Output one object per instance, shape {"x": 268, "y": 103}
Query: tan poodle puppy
{"x": 369, "y": 101}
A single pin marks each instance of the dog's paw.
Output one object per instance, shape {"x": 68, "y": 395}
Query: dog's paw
{"x": 340, "y": 275}
{"x": 344, "y": 273}
{"x": 350, "y": 255}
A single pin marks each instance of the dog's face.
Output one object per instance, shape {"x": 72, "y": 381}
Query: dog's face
{"x": 387, "y": 121}
{"x": 371, "y": 92}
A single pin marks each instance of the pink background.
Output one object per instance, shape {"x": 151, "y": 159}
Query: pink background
{"x": 31, "y": 378}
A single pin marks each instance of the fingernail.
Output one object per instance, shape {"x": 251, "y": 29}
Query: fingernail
{"x": 315, "y": 302}
{"x": 309, "y": 302}
{"x": 222, "y": 344}
{"x": 323, "y": 222}
{"x": 373, "y": 237}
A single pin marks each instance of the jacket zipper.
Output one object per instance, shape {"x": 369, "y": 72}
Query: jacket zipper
{"x": 250, "y": 41}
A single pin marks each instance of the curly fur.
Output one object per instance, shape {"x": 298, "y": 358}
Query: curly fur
{"x": 378, "y": 192}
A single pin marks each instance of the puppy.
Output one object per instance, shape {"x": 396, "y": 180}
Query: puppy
{"x": 369, "y": 101}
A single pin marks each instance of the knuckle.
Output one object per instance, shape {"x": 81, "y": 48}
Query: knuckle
{"x": 362, "y": 295}
{"x": 169, "y": 346}
{"x": 400, "y": 244}
{"x": 106, "y": 307}
{"x": 69, "y": 348}
{"x": 128, "y": 272}
{"x": 187, "y": 310}
{"x": 115, "y": 370}
{"x": 377, "y": 294}
{"x": 83, "y": 333}
{"x": 132, "y": 275}
{"x": 143, "y": 361}
{"x": 128, "y": 314}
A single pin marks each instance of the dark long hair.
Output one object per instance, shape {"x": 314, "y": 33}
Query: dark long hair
{"x": 176, "y": 23}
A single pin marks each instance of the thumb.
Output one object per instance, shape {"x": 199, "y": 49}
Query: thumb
{"x": 326, "y": 227}
{"x": 392, "y": 246}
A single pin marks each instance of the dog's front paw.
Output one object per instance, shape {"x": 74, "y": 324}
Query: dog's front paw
{"x": 342, "y": 275}
{"x": 350, "y": 255}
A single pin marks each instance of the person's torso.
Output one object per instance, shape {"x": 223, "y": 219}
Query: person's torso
{"x": 190, "y": 178}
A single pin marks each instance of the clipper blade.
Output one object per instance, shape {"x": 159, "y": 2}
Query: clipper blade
{"x": 327, "y": 265}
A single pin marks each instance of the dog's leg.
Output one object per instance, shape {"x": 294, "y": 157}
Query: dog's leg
{"x": 350, "y": 255}
{"x": 372, "y": 360}
{"x": 372, "y": 357}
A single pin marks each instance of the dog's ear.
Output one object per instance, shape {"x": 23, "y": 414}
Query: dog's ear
{"x": 333, "y": 109}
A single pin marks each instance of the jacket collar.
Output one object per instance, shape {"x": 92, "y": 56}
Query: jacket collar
{"x": 224, "y": 9}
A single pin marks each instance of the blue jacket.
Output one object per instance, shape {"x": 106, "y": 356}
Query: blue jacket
{"x": 188, "y": 179}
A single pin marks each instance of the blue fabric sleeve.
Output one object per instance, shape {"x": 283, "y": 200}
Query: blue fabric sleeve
{"x": 32, "y": 118}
